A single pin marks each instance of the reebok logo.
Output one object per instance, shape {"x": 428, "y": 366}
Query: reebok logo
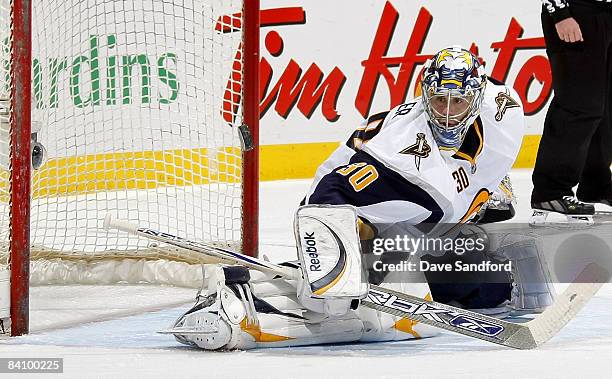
{"x": 311, "y": 249}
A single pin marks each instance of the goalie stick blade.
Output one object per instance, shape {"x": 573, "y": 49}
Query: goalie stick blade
{"x": 218, "y": 254}
{"x": 568, "y": 304}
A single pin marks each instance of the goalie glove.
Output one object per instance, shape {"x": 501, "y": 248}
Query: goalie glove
{"x": 329, "y": 252}
{"x": 500, "y": 206}
{"x": 503, "y": 197}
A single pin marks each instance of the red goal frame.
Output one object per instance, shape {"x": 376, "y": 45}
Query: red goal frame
{"x": 20, "y": 165}
{"x": 20, "y": 145}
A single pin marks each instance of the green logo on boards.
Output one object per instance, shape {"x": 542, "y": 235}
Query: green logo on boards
{"x": 95, "y": 80}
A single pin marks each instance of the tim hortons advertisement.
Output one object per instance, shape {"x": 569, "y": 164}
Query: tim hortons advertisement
{"x": 325, "y": 66}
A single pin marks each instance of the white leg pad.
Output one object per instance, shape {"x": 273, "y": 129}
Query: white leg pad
{"x": 380, "y": 326}
{"x": 228, "y": 321}
{"x": 279, "y": 320}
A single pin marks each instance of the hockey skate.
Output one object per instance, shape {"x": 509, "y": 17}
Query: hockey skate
{"x": 230, "y": 315}
{"x": 603, "y": 205}
{"x": 567, "y": 211}
{"x": 215, "y": 318}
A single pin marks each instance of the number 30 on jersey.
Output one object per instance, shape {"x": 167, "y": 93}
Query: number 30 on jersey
{"x": 461, "y": 178}
{"x": 360, "y": 175}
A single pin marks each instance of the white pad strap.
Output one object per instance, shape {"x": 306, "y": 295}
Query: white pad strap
{"x": 329, "y": 252}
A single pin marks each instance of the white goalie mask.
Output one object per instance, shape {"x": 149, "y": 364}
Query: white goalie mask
{"x": 453, "y": 88}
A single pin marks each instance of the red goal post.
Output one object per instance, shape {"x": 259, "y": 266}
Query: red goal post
{"x": 132, "y": 116}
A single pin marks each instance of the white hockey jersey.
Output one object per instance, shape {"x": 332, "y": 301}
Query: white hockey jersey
{"x": 392, "y": 170}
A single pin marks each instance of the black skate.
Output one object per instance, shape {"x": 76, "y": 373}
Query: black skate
{"x": 574, "y": 210}
{"x": 605, "y": 202}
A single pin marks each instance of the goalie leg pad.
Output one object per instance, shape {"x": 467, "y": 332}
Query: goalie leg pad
{"x": 329, "y": 251}
{"x": 380, "y": 326}
{"x": 256, "y": 310}
{"x": 213, "y": 322}
{"x": 532, "y": 289}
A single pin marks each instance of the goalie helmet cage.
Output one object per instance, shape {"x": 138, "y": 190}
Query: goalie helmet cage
{"x": 139, "y": 108}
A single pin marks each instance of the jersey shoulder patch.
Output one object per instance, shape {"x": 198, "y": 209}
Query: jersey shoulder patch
{"x": 404, "y": 109}
{"x": 505, "y": 101}
{"x": 375, "y": 123}
{"x": 368, "y": 130}
{"x": 501, "y": 99}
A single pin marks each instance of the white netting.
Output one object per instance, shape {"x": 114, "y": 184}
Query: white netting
{"x": 129, "y": 98}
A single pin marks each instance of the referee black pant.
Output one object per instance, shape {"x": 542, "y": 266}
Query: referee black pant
{"x": 576, "y": 145}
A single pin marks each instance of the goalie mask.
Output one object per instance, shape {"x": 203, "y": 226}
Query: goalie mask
{"x": 453, "y": 88}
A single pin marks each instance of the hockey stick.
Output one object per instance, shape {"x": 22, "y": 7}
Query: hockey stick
{"x": 219, "y": 254}
{"x": 527, "y": 335}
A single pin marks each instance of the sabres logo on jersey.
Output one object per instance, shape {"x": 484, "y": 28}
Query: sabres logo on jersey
{"x": 420, "y": 149}
{"x": 504, "y": 102}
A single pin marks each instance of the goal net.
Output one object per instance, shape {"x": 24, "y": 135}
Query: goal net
{"x": 136, "y": 110}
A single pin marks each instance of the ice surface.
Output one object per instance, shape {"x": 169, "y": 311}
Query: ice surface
{"x": 109, "y": 331}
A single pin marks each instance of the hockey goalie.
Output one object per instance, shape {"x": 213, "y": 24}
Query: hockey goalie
{"x": 438, "y": 160}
